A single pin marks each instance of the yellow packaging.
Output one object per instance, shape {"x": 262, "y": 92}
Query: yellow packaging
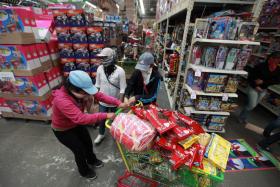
{"x": 217, "y": 151}
{"x": 204, "y": 139}
{"x": 208, "y": 168}
{"x": 189, "y": 141}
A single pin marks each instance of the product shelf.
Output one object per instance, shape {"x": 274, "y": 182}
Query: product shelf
{"x": 226, "y": 2}
{"x": 191, "y": 91}
{"x": 213, "y": 70}
{"x": 168, "y": 94}
{"x": 230, "y": 42}
{"x": 166, "y": 65}
{"x": 210, "y": 131}
{"x": 191, "y": 110}
{"x": 270, "y": 108}
{"x": 275, "y": 89}
{"x": 175, "y": 10}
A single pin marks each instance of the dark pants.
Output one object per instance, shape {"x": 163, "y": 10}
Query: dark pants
{"x": 102, "y": 123}
{"x": 268, "y": 140}
{"x": 78, "y": 140}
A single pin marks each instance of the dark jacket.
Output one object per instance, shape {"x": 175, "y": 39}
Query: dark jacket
{"x": 135, "y": 86}
{"x": 261, "y": 71}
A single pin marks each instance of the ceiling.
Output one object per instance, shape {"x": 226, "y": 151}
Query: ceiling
{"x": 150, "y": 8}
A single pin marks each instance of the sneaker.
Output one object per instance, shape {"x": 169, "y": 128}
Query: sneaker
{"x": 90, "y": 175}
{"x": 99, "y": 139}
{"x": 97, "y": 164}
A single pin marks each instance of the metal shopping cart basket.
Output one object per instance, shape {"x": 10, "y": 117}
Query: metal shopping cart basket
{"x": 155, "y": 166}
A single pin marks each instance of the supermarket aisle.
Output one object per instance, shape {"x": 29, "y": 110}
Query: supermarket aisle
{"x": 31, "y": 156}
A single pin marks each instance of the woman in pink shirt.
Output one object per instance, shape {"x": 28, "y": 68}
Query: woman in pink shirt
{"x": 68, "y": 119}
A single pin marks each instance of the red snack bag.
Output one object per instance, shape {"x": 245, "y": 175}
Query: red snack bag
{"x": 181, "y": 157}
{"x": 164, "y": 143}
{"x": 199, "y": 156}
{"x": 191, "y": 152}
{"x": 182, "y": 132}
{"x": 140, "y": 112}
{"x": 161, "y": 125}
{"x": 192, "y": 124}
{"x": 170, "y": 136}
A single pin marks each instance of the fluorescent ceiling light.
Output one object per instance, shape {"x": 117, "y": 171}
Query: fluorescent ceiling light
{"x": 118, "y": 7}
{"x": 142, "y": 7}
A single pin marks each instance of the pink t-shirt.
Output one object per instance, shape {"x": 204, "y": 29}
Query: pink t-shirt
{"x": 68, "y": 114}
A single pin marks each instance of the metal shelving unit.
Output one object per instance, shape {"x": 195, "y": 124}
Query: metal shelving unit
{"x": 188, "y": 6}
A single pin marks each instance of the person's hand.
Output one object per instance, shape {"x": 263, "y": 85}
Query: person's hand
{"x": 131, "y": 101}
{"x": 124, "y": 105}
{"x": 259, "y": 89}
{"x": 259, "y": 82}
{"x": 111, "y": 116}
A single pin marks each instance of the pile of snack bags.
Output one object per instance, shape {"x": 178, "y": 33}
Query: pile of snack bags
{"x": 182, "y": 140}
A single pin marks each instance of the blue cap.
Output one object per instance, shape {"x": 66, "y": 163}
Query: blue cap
{"x": 82, "y": 80}
{"x": 144, "y": 62}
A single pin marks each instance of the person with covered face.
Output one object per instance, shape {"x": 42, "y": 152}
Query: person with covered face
{"x": 260, "y": 78}
{"x": 111, "y": 80}
{"x": 144, "y": 83}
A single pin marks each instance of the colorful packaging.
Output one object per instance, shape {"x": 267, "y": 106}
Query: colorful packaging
{"x": 181, "y": 132}
{"x": 202, "y": 103}
{"x": 60, "y": 18}
{"x": 232, "y": 58}
{"x": 188, "y": 142}
{"x": 196, "y": 55}
{"x": 221, "y": 57}
{"x": 95, "y": 35}
{"x": 182, "y": 157}
{"x": 84, "y": 66}
{"x": 232, "y": 29}
{"x": 66, "y": 50}
{"x": 81, "y": 51}
{"x": 198, "y": 160}
{"x": 209, "y": 56}
{"x": 165, "y": 144}
{"x": 204, "y": 139}
{"x": 232, "y": 85}
{"x": 76, "y": 18}
{"x": 78, "y": 35}
{"x": 161, "y": 125}
{"x": 217, "y": 151}
{"x": 132, "y": 132}
{"x": 53, "y": 50}
{"x": 69, "y": 66}
{"x": 243, "y": 58}
{"x": 63, "y": 34}
{"x": 218, "y": 27}
{"x": 215, "y": 104}
{"x": 247, "y": 31}
{"x": 173, "y": 63}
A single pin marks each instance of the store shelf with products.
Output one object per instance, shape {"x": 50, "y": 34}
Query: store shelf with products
{"x": 191, "y": 110}
{"x": 196, "y": 92}
{"x": 215, "y": 70}
{"x": 213, "y": 131}
{"x": 230, "y": 42}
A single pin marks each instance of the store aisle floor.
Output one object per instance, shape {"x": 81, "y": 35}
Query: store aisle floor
{"x": 31, "y": 156}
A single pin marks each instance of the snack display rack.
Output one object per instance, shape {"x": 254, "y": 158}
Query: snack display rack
{"x": 189, "y": 8}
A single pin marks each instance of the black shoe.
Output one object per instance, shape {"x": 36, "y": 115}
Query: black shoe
{"x": 97, "y": 164}
{"x": 90, "y": 175}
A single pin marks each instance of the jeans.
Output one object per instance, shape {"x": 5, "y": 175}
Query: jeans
{"x": 254, "y": 97}
{"x": 78, "y": 140}
{"x": 102, "y": 122}
{"x": 268, "y": 140}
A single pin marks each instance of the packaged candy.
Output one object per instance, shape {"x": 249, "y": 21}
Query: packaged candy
{"x": 132, "y": 132}
{"x": 84, "y": 66}
{"x": 217, "y": 151}
{"x": 171, "y": 137}
{"x": 70, "y": 66}
{"x": 232, "y": 58}
{"x": 221, "y": 57}
{"x": 60, "y": 18}
{"x": 138, "y": 111}
{"x": 215, "y": 104}
{"x": 180, "y": 157}
{"x": 161, "y": 125}
{"x": 164, "y": 143}
{"x": 78, "y": 34}
{"x": 81, "y": 51}
{"x": 202, "y": 103}
{"x": 66, "y": 50}
{"x": 188, "y": 142}
{"x": 95, "y": 35}
{"x": 232, "y": 85}
{"x": 93, "y": 70}
{"x": 76, "y": 18}
{"x": 181, "y": 132}
{"x": 209, "y": 56}
{"x": 204, "y": 139}
{"x": 208, "y": 168}
{"x": 192, "y": 152}
{"x": 63, "y": 34}
{"x": 198, "y": 160}
{"x": 191, "y": 124}
{"x": 196, "y": 55}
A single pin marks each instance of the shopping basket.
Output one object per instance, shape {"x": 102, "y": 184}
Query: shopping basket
{"x": 154, "y": 164}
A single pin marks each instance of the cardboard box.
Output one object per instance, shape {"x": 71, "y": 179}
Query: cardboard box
{"x": 17, "y": 38}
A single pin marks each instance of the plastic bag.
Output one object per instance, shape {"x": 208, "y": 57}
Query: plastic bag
{"x": 132, "y": 132}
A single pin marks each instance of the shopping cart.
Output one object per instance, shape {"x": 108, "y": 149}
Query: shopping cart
{"x": 154, "y": 165}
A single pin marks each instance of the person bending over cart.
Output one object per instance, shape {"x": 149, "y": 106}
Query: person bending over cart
{"x": 144, "y": 81}
{"x": 69, "y": 119}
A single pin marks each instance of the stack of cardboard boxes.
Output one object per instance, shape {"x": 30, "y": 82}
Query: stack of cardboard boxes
{"x": 28, "y": 66}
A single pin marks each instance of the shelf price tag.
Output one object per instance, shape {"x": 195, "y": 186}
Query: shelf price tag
{"x": 197, "y": 73}
{"x": 193, "y": 95}
{"x": 225, "y": 97}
